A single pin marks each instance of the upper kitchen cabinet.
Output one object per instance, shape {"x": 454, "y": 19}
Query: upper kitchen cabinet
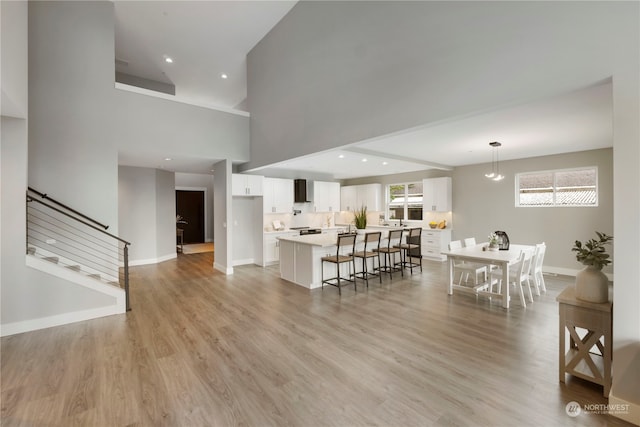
{"x": 326, "y": 196}
{"x": 246, "y": 185}
{"x": 278, "y": 195}
{"x": 354, "y": 197}
{"x": 437, "y": 194}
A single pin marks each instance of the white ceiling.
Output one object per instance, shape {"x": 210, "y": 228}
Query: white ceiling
{"x": 204, "y": 39}
{"x": 207, "y": 38}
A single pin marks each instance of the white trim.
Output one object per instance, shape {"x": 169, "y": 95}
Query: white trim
{"x": 553, "y": 172}
{"x": 59, "y": 319}
{"x": 147, "y": 92}
{"x": 633, "y": 413}
{"x": 152, "y": 260}
{"x": 243, "y": 261}
{"x": 567, "y": 271}
{"x": 76, "y": 277}
{"x": 41, "y": 253}
{"x": 222, "y": 268}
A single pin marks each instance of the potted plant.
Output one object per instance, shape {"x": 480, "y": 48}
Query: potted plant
{"x": 360, "y": 218}
{"x": 591, "y": 283}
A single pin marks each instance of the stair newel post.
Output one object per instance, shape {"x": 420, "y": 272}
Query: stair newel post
{"x": 126, "y": 275}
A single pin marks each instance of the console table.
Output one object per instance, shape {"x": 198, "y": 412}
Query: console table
{"x": 580, "y": 359}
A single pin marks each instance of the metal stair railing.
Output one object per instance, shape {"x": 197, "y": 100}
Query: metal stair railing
{"x": 76, "y": 241}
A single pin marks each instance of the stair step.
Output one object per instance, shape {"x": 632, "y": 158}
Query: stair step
{"x": 53, "y": 259}
{"x": 31, "y": 250}
{"x": 95, "y": 276}
{"x": 114, "y": 284}
{"x": 74, "y": 267}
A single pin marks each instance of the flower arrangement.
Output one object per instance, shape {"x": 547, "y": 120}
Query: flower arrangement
{"x": 493, "y": 240}
{"x": 592, "y": 252}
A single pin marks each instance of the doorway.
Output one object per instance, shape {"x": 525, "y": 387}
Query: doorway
{"x": 190, "y": 207}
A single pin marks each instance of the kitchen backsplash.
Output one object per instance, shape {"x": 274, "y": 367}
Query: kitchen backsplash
{"x": 328, "y": 219}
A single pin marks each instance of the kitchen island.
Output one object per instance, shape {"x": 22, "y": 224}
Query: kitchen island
{"x": 300, "y": 258}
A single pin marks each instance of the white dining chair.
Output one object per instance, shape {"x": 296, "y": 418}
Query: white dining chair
{"x": 536, "y": 268}
{"x": 466, "y": 268}
{"x": 471, "y": 241}
{"x": 518, "y": 275}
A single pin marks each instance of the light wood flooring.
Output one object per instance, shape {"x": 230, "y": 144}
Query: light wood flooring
{"x": 204, "y": 349}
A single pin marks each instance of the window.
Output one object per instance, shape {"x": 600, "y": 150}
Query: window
{"x": 565, "y": 187}
{"x": 404, "y": 201}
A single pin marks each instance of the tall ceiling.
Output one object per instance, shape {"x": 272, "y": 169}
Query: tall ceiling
{"x": 206, "y": 39}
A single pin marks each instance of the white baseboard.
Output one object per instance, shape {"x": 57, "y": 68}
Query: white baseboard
{"x": 135, "y": 262}
{"x": 75, "y": 277}
{"x": 222, "y": 268}
{"x": 567, "y": 271}
{"x": 243, "y": 261}
{"x": 628, "y": 411}
{"x": 59, "y": 319}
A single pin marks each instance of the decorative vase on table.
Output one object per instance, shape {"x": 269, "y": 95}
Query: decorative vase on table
{"x": 494, "y": 243}
{"x": 592, "y": 285}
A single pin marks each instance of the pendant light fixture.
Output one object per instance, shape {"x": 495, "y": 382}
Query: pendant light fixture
{"x": 495, "y": 163}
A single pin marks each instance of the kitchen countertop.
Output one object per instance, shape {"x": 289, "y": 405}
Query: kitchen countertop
{"x": 289, "y": 230}
{"x": 323, "y": 240}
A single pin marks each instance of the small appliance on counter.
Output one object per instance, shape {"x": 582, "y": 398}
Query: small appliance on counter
{"x": 503, "y": 240}
{"x": 306, "y": 231}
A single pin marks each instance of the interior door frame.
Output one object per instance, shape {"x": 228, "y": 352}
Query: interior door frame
{"x": 204, "y": 189}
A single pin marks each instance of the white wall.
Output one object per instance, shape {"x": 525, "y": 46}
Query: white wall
{"x": 481, "y": 206}
{"x": 13, "y": 52}
{"x": 347, "y": 71}
{"x": 30, "y": 299}
{"x": 165, "y": 214}
{"x": 72, "y": 153}
{"x": 147, "y": 216}
{"x": 80, "y": 122}
{"x": 200, "y": 181}
{"x": 245, "y": 229}
{"x": 222, "y": 212}
{"x": 342, "y": 72}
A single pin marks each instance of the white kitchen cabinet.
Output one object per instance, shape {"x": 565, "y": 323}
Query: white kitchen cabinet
{"x": 246, "y": 185}
{"x": 434, "y": 242}
{"x": 326, "y": 196}
{"x": 271, "y": 253}
{"x": 436, "y": 194}
{"x": 277, "y": 195}
{"x": 354, "y": 197}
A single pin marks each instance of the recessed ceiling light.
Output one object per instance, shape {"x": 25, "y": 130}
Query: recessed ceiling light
{"x": 223, "y": 76}
{"x": 168, "y": 59}
{"x": 341, "y": 156}
{"x": 364, "y": 160}
{"x": 385, "y": 163}
{"x": 167, "y": 158}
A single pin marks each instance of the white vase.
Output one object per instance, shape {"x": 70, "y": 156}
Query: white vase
{"x": 592, "y": 285}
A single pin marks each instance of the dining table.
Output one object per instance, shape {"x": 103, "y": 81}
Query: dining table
{"x": 481, "y": 254}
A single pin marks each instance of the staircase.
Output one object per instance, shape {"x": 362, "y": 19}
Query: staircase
{"x": 68, "y": 244}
